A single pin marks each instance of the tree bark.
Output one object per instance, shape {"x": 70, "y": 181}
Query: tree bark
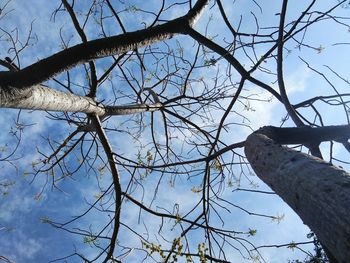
{"x": 40, "y": 97}
{"x": 316, "y": 190}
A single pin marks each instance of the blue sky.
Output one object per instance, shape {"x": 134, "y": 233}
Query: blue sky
{"x": 23, "y": 236}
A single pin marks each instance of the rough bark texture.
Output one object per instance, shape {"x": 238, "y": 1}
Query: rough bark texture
{"x": 316, "y": 190}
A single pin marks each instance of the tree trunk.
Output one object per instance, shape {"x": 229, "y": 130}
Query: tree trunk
{"x": 316, "y": 190}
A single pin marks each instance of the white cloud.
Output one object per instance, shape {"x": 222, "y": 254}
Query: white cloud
{"x": 28, "y": 247}
{"x": 20, "y": 247}
{"x": 15, "y": 204}
{"x": 296, "y": 81}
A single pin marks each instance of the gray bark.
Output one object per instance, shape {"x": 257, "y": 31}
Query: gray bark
{"x": 39, "y": 97}
{"x": 316, "y": 190}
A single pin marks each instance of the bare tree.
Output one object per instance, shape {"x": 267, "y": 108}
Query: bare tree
{"x": 182, "y": 89}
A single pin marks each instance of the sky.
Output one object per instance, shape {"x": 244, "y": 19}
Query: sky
{"x": 27, "y": 202}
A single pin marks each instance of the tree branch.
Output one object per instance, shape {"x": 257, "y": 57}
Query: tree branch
{"x": 116, "y": 183}
{"x": 307, "y": 135}
{"x": 99, "y": 48}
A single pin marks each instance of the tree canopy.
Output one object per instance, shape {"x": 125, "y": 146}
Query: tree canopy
{"x": 125, "y": 126}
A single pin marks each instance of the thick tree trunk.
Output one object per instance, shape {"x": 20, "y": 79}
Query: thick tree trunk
{"x": 316, "y": 190}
